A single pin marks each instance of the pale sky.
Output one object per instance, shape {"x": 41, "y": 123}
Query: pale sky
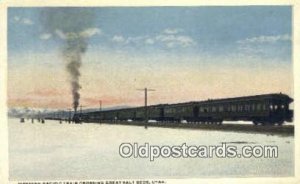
{"x": 184, "y": 53}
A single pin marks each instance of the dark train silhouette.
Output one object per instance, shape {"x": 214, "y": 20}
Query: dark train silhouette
{"x": 260, "y": 109}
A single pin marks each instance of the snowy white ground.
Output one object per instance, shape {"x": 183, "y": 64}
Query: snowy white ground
{"x": 53, "y": 151}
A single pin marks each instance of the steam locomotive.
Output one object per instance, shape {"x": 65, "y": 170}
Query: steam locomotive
{"x": 260, "y": 109}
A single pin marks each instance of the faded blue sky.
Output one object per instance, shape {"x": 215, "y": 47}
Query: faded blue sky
{"x": 211, "y": 51}
{"x": 263, "y": 31}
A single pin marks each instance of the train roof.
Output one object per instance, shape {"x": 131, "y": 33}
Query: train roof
{"x": 234, "y": 99}
{"x": 220, "y": 100}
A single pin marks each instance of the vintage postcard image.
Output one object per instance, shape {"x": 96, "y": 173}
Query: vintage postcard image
{"x": 150, "y": 93}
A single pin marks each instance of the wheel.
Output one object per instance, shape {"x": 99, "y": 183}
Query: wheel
{"x": 280, "y": 123}
{"x": 268, "y": 123}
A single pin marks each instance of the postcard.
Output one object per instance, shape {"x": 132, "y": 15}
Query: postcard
{"x": 132, "y": 93}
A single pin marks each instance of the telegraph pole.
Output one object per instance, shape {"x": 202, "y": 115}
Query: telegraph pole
{"x": 80, "y": 113}
{"x": 100, "y": 105}
{"x": 146, "y": 105}
{"x": 100, "y": 109}
{"x": 61, "y": 117}
{"x": 69, "y": 116}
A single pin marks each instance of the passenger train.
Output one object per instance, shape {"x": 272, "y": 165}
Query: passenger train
{"x": 260, "y": 109}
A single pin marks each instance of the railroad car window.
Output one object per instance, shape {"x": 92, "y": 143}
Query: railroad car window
{"x": 240, "y": 108}
{"x": 221, "y": 108}
{"x": 247, "y": 107}
{"x": 228, "y": 108}
{"x": 258, "y": 107}
{"x": 233, "y": 108}
{"x": 213, "y": 109}
{"x": 201, "y": 109}
{"x": 253, "y": 107}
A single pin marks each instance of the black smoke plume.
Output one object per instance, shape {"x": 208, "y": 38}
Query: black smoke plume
{"x": 68, "y": 25}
